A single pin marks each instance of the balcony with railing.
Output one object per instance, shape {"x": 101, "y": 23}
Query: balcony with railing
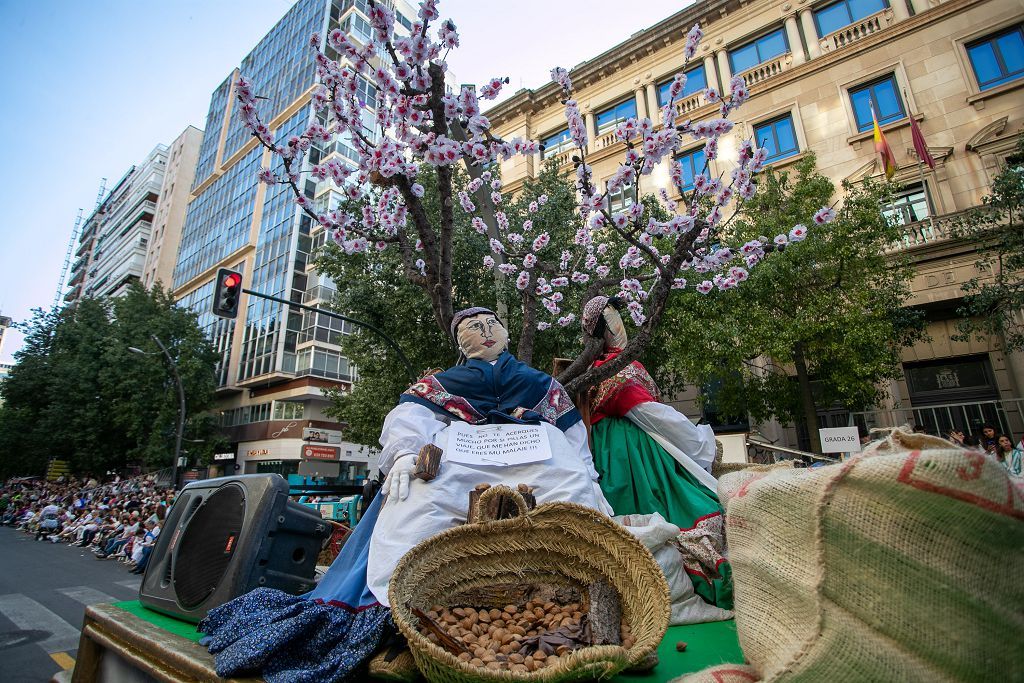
{"x": 857, "y": 31}
{"x": 767, "y": 69}
{"x": 318, "y": 294}
{"x": 925, "y": 232}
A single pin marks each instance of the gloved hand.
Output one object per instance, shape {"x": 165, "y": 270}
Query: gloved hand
{"x": 397, "y": 481}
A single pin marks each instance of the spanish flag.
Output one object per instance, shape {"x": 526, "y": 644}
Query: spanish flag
{"x": 883, "y": 149}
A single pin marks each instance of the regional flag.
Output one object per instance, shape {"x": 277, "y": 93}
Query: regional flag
{"x": 883, "y": 149}
{"x": 920, "y": 146}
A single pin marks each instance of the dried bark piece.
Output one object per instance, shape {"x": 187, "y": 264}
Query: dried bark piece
{"x": 605, "y": 613}
{"x": 428, "y": 463}
{"x": 474, "y": 502}
{"x": 527, "y": 493}
{"x": 447, "y": 641}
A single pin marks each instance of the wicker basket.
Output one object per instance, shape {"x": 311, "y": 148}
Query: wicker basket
{"x": 556, "y": 543}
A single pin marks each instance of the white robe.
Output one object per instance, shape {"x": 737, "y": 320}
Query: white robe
{"x": 442, "y": 503}
{"x": 692, "y": 446}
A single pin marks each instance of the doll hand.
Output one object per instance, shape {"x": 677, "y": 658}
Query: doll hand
{"x": 397, "y": 481}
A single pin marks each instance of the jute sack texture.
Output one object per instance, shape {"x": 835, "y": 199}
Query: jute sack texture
{"x": 902, "y": 564}
{"x": 556, "y": 543}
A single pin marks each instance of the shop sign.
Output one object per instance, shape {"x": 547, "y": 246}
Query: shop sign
{"x": 328, "y": 453}
{"x": 223, "y": 456}
{"x": 256, "y": 452}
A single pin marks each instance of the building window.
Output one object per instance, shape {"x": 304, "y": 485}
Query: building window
{"x": 613, "y": 116}
{"x": 778, "y": 136}
{"x": 288, "y": 410}
{"x": 557, "y": 143}
{"x": 909, "y": 206}
{"x": 760, "y": 50}
{"x": 691, "y": 164}
{"x": 837, "y": 15}
{"x": 883, "y": 96}
{"x": 621, "y": 200}
{"x": 999, "y": 58}
{"x": 696, "y": 80}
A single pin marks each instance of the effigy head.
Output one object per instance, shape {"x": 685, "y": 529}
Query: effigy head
{"x": 601, "y": 318}
{"x": 479, "y": 334}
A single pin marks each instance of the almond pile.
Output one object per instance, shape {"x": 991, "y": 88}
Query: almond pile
{"x": 515, "y": 638}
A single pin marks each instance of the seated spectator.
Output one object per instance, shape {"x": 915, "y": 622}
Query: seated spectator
{"x": 148, "y": 541}
{"x": 1011, "y": 456}
{"x": 988, "y": 438}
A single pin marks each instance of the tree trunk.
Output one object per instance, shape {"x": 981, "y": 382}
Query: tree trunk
{"x": 807, "y": 398}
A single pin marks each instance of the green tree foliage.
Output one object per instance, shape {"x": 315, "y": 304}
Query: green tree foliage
{"x": 375, "y": 291}
{"x": 76, "y": 393}
{"x": 820, "y": 324}
{"x": 992, "y": 305}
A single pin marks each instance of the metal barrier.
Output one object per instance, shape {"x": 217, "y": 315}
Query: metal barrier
{"x": 765, "y": 453}
{"x": 1007, "y": 415}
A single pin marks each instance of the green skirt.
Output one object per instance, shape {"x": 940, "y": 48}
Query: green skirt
{"x": 639, "y": 477}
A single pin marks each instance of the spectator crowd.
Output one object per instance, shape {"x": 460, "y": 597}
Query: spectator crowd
{"x": 118, "y": 520}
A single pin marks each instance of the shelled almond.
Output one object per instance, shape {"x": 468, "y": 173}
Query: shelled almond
{"x": 519, "y": 638}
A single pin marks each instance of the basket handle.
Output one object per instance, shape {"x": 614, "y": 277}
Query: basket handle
{"x": 494, "y": 491}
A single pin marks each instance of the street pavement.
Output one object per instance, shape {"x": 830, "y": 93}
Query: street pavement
{"x": 44, "y": 589}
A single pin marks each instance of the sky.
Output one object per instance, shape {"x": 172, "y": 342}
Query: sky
{"x": 90, "y": 87}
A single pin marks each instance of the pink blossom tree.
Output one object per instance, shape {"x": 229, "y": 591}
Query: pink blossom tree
{"x": 420, "y": 121}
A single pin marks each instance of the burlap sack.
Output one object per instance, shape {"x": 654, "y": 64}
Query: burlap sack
{"x": 731, "y": 482}
{"x": 902, "y": 564}
{"x": 723, "y": 673}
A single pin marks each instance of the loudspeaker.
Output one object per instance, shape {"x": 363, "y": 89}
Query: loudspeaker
{"x": 223, "y": 537}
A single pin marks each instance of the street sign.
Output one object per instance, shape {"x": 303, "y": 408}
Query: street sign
{"x": 223, "y": 456}
{"x": 317, "y": 435}
{"x": 839, "y": 440}
{"x": 326, "y": 453}
{"x": 313, "y": 468}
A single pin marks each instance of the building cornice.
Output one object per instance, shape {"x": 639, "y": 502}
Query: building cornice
{"x": 672, "y": 29}
{"x": 625, "y": 54}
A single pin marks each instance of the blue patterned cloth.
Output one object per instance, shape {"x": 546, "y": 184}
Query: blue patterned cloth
{"x": 321, "y": 637}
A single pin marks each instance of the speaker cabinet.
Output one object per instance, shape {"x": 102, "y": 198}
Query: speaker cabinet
{"x": 223, "y": 537}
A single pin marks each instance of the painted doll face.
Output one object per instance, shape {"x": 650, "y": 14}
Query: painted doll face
{"x": 614, "y": 330}
{"x": 482, "y": 337}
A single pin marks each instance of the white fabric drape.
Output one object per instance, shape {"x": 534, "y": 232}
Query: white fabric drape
{"x": 693, "y": 446}
{"x": 443, "y": 503}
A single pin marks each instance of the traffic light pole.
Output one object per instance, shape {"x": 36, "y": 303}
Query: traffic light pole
{"x": 331, "y": 314}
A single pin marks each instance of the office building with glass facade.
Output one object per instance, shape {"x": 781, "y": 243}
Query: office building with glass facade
{"x": 275, "y": 359}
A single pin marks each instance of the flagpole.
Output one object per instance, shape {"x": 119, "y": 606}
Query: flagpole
{"x": 920, "y": 173}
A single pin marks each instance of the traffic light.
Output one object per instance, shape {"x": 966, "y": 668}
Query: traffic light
{"x": 227, "y": 290}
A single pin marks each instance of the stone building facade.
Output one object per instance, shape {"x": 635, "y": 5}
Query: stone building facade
{"x": 814, "y": 69}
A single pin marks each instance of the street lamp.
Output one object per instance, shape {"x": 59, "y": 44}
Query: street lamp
{"x": 181, "y": 404}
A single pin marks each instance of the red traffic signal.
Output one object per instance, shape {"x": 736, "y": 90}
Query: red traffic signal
{"x": 226, "y": 293}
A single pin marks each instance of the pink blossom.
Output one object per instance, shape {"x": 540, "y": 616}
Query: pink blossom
{"x": 566, "y": 320}
{"x": 529, "y": 261}
{"x": 781, "y": 240}
{"x": 824, "y": 215}
{"x": 507, "y": 268}
{"x": 561, "y": 76}
{"x": 798, "y": 233}
{"x": 523, "y": 281}
{"x": 541, "y": 241}
{"x": 543, "y": 326}
{"x": 479, "y": 225}
{"x": 679, "y": 283}
{"x": 580, "y": 277}
{"x": 497, "y": 247}
{"x": 417, "y": 190}
{"x": 488, "y": 261}
{"x": 705, "y": 287}
{"x": 265, "y": 175}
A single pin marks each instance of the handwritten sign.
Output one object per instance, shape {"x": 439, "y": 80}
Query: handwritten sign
{"x": 497, "y": 445}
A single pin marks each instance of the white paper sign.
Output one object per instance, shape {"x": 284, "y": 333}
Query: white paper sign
{"x": 839, "y": 440}
{"x": 496, "y": 445}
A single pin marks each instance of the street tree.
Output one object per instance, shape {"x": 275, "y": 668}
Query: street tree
{"x": 419, "y": 123}
{"x": 992, "y": 305}
{"x": 76, "y": 393}
{"x": 821, "y": 324}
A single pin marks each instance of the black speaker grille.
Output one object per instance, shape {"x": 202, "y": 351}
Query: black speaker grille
{"x": 208, "y": 544}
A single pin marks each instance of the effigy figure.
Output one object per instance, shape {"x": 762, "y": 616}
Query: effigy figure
{"x": 490, "y": 387}
{"x": 652, "y": 458}
{"x": 327, "y": 634}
